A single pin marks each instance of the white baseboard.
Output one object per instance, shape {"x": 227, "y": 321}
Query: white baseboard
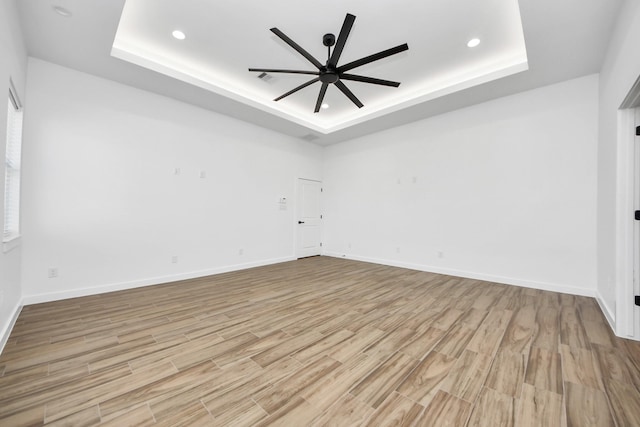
{"x": 6, "y": 329}
{"x": 609, "y": 314}
{"x": 572, "y": 290}
{"x": 74, "y": 293}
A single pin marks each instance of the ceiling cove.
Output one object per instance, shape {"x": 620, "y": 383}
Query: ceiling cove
{"x": 454, "y": 45}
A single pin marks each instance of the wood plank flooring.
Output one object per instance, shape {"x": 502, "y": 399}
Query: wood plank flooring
{"x": 315, "y": 342}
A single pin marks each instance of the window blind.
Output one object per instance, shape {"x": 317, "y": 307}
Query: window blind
{"x": 11, "y": 228}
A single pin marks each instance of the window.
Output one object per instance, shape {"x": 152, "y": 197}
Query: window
{"x": 12, "y": 169}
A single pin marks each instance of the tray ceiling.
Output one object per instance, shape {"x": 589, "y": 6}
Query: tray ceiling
{"x": 523, "y": 45}
{"x": 223, "y": 39}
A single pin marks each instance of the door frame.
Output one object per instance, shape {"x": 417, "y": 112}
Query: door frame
{"x": 625, "y": 262}
{"x": 635, "y": 310}
{"x": 296, "y": 208}
{"x": 624, "y": 316}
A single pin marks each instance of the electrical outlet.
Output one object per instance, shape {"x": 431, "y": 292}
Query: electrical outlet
{"x": 241, "y": 252}
{"x": 174, "y": 259}
{"x": 440, "y": 254}
{"x": 53, "y": 272}
{"x": 398, "y": 250}
{"x": 203, "y": 174}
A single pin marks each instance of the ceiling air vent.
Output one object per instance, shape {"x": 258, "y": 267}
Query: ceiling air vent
{"x": 310, "y": 137}
{"x": 265, "y": 77}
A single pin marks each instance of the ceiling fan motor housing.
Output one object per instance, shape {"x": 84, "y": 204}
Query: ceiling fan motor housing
{"x": 329, "y": 76}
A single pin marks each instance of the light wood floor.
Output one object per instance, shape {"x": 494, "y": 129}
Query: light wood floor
{"x": 320, "y": 341}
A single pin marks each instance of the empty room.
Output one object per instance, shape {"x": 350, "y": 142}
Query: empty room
{"x": 340, "y": 213}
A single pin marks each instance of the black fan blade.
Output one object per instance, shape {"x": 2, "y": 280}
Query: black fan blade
{"x": 270, "y": 70}
{"x": 374, "y": 57}
{"x": 295, "y": 45}
{"x": 371, "y": 80}
{"x": 323, "y": 90}
{"x": 342, "y": 39}
{"x": 302, "y": 86}
{"x": 349, "y": 94}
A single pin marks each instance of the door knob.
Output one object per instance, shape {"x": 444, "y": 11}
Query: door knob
{"x": 300, "y": 222}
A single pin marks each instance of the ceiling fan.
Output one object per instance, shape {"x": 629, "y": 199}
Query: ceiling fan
{"x": 331, "y": 73}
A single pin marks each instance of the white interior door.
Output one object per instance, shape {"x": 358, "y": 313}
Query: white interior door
{"x": 309, "y": 224}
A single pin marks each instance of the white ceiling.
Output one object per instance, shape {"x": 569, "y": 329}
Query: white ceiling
{"x": 224, "y": 39}
{"x": 131, "y": 42}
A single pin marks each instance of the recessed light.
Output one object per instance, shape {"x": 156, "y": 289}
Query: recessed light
{"x": 177, "y": 34}
{"x": 473, "y": 42}
{"x": 62, "y": 11}
{"x": 325, "y": 106}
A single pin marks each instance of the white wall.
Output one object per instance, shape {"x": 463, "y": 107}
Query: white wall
{"x": 620, "y": 69}
{"x": 13, "y": 64}
{"x": 506, "y": 190}
{"x": 101, "y": 201}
